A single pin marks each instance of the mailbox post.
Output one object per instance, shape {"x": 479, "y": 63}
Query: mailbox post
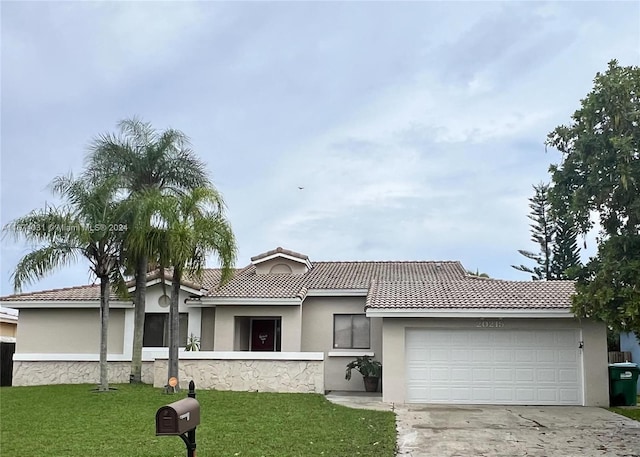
{"x": 181, "y": 418}
{"x": 191, "y": 434}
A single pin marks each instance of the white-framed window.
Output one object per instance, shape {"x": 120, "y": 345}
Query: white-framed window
{"x": 351, "y": 331}
{"x": 156, "y": 330}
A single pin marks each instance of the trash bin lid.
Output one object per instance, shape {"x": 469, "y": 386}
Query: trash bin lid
{"x": 624, "y": 365}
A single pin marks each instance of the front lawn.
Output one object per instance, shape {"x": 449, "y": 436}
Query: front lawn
{"x": 632, "y": 413}
{"x": 71, "y": 420}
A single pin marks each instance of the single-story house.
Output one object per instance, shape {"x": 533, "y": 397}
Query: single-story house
{"x": 286, "y": 323}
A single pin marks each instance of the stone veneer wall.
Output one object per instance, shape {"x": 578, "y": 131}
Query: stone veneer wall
{"x": 247, "y": 375}
{"x": 70, "y": 372}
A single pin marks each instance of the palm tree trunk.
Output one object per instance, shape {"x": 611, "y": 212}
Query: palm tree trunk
{"x": 138, "y": 321}
{"x": 104, "y": 329}
{"x": 174, "y": 326}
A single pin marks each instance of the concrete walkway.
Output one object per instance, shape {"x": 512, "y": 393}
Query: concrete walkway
{"x": 504, "y": 431}
{"x": 359, "y": 400}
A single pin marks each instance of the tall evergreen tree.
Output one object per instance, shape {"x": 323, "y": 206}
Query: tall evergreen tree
{"x": 542, "y": 231}
{"x": 559, "y": 255}
{"x": 566, "y": 253}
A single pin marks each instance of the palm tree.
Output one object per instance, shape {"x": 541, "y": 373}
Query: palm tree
{"x": 87, "y": 226}
{"x": 187, "y": 229}
{"x": 143, "y": 159}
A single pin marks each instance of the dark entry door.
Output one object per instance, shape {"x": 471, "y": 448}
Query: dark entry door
{"x": 263, "y": 334}
{"x": 6, "y": 363}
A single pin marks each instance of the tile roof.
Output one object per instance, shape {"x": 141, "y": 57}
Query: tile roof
{"x": 168, "y": 275}
{"x": 247, "y": 284}
{"x": 78, "y": 293}
{"x": 210, "y": 277}
{"x": 389, "y": 285}
{"x": 333, "y": 275}
{"x": 471, "y": 293}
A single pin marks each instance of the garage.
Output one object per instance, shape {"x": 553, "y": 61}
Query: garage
{"x": 495, "y": 365}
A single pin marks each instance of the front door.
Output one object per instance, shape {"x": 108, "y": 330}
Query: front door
{"x": 263, "y": 334}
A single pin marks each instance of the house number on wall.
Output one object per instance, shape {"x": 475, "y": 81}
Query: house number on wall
{"x": 483, "y": 323}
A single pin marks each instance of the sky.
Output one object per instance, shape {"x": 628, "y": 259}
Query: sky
{"x": 416, "y": 129}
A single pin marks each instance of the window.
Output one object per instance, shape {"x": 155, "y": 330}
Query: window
{"x": 156, "y": 330}
{"x": 351, "y": 331}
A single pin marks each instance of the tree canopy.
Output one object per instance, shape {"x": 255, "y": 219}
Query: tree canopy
{"x": 186, "y": 229}
{"x": 88, "y": 226}
{"x": 142, "y": 160}
{"x": 598, "y": 180}
{"x": 131, "y": 177}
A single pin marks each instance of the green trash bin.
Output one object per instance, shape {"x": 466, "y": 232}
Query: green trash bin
{"x": 623, "y": 381}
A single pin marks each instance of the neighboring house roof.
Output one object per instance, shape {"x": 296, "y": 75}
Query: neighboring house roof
{"x": 471, "y": 293}
{"x": 8, "y": 315}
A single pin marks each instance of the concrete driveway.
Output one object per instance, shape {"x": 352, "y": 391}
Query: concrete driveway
{"x": 473, "y": 431}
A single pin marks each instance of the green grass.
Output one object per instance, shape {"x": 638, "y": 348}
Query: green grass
{"x": 71, "y": 420}
{"x": 631, "y": 413}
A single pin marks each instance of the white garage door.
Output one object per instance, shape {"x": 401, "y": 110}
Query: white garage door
{"x": 494, "y": 366}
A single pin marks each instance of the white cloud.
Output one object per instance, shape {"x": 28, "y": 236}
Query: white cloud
{"x": 415, "y": 128}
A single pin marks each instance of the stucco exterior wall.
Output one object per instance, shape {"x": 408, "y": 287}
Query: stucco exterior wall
{"x": 77, "y": 331}
{"x": 73, "y": 372}
{"x": 594, "y": 354}
{"x": 155, "y": 292}
{"x": 317, "y": 331}
{"x": 595, "y": 363}
{"x": 153, "y": 306}
{"x": 266, "y": 267}
{"x": 225, "y": 327}
{"x": 305, "y": 376}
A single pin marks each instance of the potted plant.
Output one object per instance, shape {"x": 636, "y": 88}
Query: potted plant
{"x": 193, "y": 343}
{"x": 369, "y": 369}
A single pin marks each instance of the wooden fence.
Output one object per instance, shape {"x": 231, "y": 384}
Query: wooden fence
{"x": 617, "y": 357}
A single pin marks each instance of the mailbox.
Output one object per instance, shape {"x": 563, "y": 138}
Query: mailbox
{"x": 178, "y": 417}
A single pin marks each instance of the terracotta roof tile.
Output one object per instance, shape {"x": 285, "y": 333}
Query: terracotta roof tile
{"x": 333, "y": 275}
{"x": 471, "y": 293}
{"x": 78, "y": 293}
{"x": 168, "y": 275}
{"x": 246, "y": 283}
{"x": 429, "y": 285}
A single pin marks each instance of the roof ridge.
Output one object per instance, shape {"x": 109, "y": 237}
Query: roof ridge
{"x": 475, "y": 278}
{"x": 313, "y": 262}
{"x": 386, "y": 261}
{"x": 523, "y": 281}
{"x": 279, "y": 250}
